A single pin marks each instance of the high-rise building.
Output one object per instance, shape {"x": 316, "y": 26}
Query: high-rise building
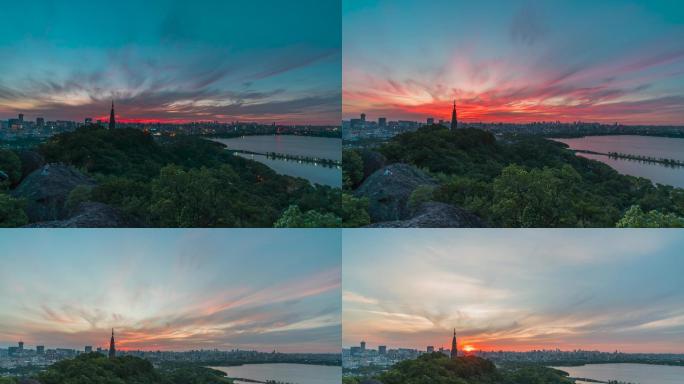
{"x": 382, "y": 122}
{"x": 430, "y": 349}
{"x": 112, "y": 121}
{"x": 363, "y": 117}
{"x": 382, "y": 349}
{"x": 40, "y": 122}
{"x": 454, "y": 350}
{"x": 21, "y": 346}
{"x": 363, "y": 346}
{"x": 430, "y": 120}
{"x": 21, "y": 118}
{"x": 88, "y": 349}
{"x": 454, "y": 122}
{"x": 112, "y": 347}
{"x": 40, "y": 349}
{"x": 88, "y": 120}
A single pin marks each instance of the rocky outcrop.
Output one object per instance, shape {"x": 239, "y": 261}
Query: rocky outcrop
{"x": 89, "y": 215}
{"x": 46, "y": 191}
{"x": 435, "y": 215}
{"x": 388, "y": 191}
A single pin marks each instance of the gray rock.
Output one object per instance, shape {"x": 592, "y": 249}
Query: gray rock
{"x": 47, "y": 189}
{"x": 435, "y": 215}
{"x": 388, "y": 191}
{"x": 89, "y": 215}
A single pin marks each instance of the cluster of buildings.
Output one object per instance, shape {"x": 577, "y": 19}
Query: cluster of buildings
{"x": 20, "y": 128}
{"x": 19, "y": 356}
{"x": 359, "y": 356}
{"x": 360, "y": 128}
{"x": 576, "y": 356}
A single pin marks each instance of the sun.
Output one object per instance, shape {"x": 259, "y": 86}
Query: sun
{"x": 468, "y": 348}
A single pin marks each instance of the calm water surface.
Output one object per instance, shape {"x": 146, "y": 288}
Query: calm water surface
{"x": 659, "y": 147}
{"x": 288, "y": 373}
{"x": 321, "y": 147}
{"x": 632, "y": 373}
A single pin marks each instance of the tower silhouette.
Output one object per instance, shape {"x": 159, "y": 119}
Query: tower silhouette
{"x": 454, "y": 122}
{"x": 112, "y": 120}
{"x": 112, "y": 347}
{"x": 454, "y": 349}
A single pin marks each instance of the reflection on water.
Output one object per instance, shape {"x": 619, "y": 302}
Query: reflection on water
{"x": 632, "y": 373}
{"x": 315, "y": 173}
{"x": 286, "y": 373}
{"x": 658, "y": 147}
{"x": 305, "y": 146}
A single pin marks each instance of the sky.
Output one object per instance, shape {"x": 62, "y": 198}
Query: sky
{"x": 514, "y": 290}
{"x": 171, "y": 60}
{"x": 172, "y": 289}
{"x": 515, "y": 61}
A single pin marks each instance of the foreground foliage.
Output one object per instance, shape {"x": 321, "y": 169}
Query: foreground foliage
{"x": 94, "y": 368}
{"x": 436, "y": 368}
{"x": 183, "y": 181}
{"x": 526, "y": 182}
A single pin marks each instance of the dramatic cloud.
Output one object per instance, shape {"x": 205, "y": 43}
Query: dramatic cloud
{"x": 158, "y": 65}
{"x": 515, "y": 62}
{"x": 172, "y": 290}
{"x": 598, "y": 289}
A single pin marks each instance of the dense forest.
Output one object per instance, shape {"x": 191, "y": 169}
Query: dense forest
{"x": 523, "y": 181}
{"x": 183, "y": 181}
{"x": 438, "y": 368}
{"x": 95, "y": 368}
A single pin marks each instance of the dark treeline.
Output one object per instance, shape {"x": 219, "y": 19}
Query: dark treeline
{"x": 437, "y": 368}
{"x": 525, "y": 181}
{"x": 183, "y": 181}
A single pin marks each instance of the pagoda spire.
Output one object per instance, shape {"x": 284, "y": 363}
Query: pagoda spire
{"x": 454, "y": 122}
{"x": 454, "y": 346}
{"x": 112, "y": 120}
{"x": 112, "y": 347}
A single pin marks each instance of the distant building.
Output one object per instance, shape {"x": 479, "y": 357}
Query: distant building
{"x": 88, "y": 120}
{"x": 355, "y": 351}
{"x": 382, "y": 349}
{"x": 40, "y": 122}
{"x": 21, "y": 343}
{"x": 363, "y": 117}
{"x": 454, "y": 350}
{"x": 454, "y": 121}
{"x": 382, "y": 122}
{"x": 21, "y": 118}
{"x": 430, "y": 120}
{"x": 363, "y": 346}
{"x": 88, "y": 348}
{"x": 430, "y": 349}
{"x": 40, "y": 349}
{"x": 112, "y": 347}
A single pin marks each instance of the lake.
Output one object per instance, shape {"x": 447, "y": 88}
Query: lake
{"x": 632, "y": 373}
{"x": 288, "y": 373}
{"x": 659, "y": 147}
{"x": 320, "y": 147}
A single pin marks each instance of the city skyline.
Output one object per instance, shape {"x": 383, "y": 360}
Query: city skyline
{"x": 515, "y": 62}
{"x": 519, "y": 293}
{"x": 172, "y": 290}
{"x": 265, "y": 62}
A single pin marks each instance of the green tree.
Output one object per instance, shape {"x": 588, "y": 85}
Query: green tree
{"x": 636, "y": 218}
{"x": 352, "y": 169}
{"x": 10, "y": 165}
{"x": 354, "y": 211}
{"x": 12, "y": 212}
{"x": 293, "y": 217}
